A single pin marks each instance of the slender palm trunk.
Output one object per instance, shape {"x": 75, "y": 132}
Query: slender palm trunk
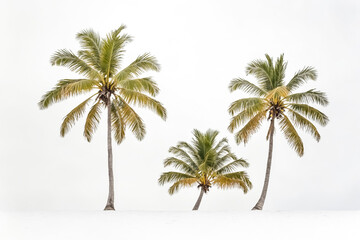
{"x": 259, "y": 205}
{"x": 110, "y": 201}
{"x": 197, "y": 204}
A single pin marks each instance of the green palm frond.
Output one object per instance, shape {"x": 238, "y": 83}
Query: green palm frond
{"x": 310, "y": 112}
{"x": 73, "y": 116}
{"x": 250, "y": 128}
{"x": 291, "y": 135}
{"x": 177, "y": 151}
{"x": 305, "y": 124}
{"x": 192, "y": 151}
{"x": 279, "y": 72}
{"x": 92, "y": 120}
{"x": 141, "y": 64}
{"x": 167, "y": 177}
{"x": 245, "y": 104}
{"x": 68, "y": 59}
{"x": 232, "y": 166}
{"x": 66, "y": 88}
{"x": 112, "y": 51}
{"x": 187, "y": 182}
{"x": 263, "y": 71}
{"x": 91, "y": 44}
{"x": 301, "y": 77}
{"x": 246, "y": 86}
{"x": 117, "y": 122}
{"x": 310, "y": 96}
{"x": 134, "y": 97}
{"x": 180, "y": 165}
{"x": 131, "y": 118}
{"x": 223, "y": 160}
{"x": 141, "y": 85}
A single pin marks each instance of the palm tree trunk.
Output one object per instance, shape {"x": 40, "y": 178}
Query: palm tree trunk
{"x": 259, "y": 205}
{"x": 110, "y": 201}
{"x": 197, "y": 204}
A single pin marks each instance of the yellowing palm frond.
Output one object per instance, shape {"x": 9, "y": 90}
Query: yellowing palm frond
{"x": 250, "y": 128}
{"x": 187, "y": 182}
{"x": 141, "y": 85}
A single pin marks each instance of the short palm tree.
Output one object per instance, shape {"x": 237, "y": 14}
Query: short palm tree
{"x": 205, "y": 163}
{"x": 276, "y": 101}
{"x": 99, "y": 61}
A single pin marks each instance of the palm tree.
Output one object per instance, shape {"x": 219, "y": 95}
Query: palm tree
{"x": 206, "y": 163}
{"x": 99, "y": 61}
{"x": 275, "y": 100}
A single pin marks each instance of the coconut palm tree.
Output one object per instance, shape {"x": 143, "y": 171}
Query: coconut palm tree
{"x": 205, "y": 163}
{"x": 99, "y": 61}
{"x": 276, "y": 101}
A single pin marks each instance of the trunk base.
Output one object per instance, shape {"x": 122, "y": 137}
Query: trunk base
{"x": 109, "y": 207}
{"x": 257, "y": 208}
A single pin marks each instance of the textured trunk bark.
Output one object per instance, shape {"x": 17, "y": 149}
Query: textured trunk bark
{"x": 259, "y": 205}
{"x": 110, "y": 201}
{"x": 197, "y": 204}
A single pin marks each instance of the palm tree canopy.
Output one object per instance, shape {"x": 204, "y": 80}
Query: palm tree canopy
{"x": 205, "y": 162}
{"x": 273, "y": 98}
{"x": 100, "y": 63}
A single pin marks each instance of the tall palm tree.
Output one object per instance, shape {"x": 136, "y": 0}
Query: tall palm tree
{"x": 276, "y": 101}
{"x": 205, "y": 163}
{"x": 99, "y": 61}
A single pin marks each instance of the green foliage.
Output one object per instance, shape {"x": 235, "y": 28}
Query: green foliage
{"x": 99, "y": 60}
{"x": 205, "y": 162}
{"x": 275, "y": 99}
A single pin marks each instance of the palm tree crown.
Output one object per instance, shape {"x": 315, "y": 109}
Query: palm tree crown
{"x": 276, "y": 100}
{"x": 205, "y": 162}
{"x": 99, "y": 61}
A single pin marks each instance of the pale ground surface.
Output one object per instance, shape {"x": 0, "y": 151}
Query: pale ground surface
{"x": 180, "y": 225}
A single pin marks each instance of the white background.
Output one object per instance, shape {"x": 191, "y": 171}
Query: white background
{"x": 201, "y": 46}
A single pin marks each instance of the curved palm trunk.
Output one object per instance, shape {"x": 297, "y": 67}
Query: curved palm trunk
{"x": 197, "y": 204}
{"x": 259, "y": 205}
{"x": 110, "y": 201}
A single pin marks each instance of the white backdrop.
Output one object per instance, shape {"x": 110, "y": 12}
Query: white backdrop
{"x": 201, "y": 46}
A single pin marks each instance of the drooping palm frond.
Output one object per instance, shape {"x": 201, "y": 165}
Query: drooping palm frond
{"x": 305, "y": 124}
{"x": 187, "y": 182}
{"x": 277, "y": 93}
{"x": 131, "y": 119}
{"x": 310, "y": 112}
{"x": 142, "y": 100}
{"x": 233, "y": 180}
{"x": 246, "y": 86}
{"x": 66, "y": 88}
{"x": 291, "y": 135}
{"x": 117, "y": 122}
{"x": 310, "y": 96}
{"x": 301, "y": 77}
{"x": 250, "y": 128}
{"x": 92, "y": 120}
{"x": 73, "y": 116}
{"x": 246, "y": 115}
